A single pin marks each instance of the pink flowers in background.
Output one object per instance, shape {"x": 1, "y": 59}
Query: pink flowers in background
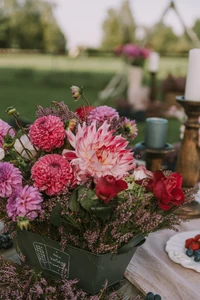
{"x": 24, "y": 202}
{"x": 134, "y": 54}
{"x": 10, "y": 179}
{"x": 52, "y": 174}
{"x": 102, "y": 113}
{"x": 5, "y": 128}
{"x": 99, "y": 153}
{"x": 47, "y": 133}
{"x": 108, "y": 187}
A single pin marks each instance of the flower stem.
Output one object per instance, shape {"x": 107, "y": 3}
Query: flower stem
{"x": 86, "y": 100}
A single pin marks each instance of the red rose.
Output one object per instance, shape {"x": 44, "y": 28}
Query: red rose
{"x": 84, "y": 111}
{"x": 167, "y": 190}
{"x": 108, "y": 187}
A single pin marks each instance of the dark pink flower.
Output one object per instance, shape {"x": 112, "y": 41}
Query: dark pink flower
{"x": 24, "y": 202}
{"x": 10, "y": 179}
{"x": 84, "y": 111}
{"x": 108, "y": 187}
{"x": 47, "y": 133}
{"x": 52, "y": 174}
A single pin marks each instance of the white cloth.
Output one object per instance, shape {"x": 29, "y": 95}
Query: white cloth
{"x": 152, "y": 270}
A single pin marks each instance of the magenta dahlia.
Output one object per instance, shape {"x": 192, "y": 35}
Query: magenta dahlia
{"x": 4, "y": 129}
{"x": 10, "y": 179}
{"x": 24, "y": 202}
{"x": 102, "y": 113}
{"x": 47, "y": 133}
{"x": 52, "y": 173}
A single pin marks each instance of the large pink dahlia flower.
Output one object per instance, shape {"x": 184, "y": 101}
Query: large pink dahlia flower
{"x": 47, "y": 133}
{"x": 4, "y": 129}
{"x": 24, "y": 202}
{"x": 102, "y": 113}
{"x": 10, "y": 179}
{"x": 99, "y": 153}
{"x": 52, "y": 173}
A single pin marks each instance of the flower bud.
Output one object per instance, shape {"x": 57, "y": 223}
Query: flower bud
{"x": 23, "y": 223}
{"x": 71, "y": 124}
{"x": 11, "y": 110}
{"x": 76, "y": 92}
{"x": 2, "y": 153}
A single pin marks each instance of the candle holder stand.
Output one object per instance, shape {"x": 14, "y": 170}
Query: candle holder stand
{"x": 154, "y": 157}
{"x": 153, "y": 86}
{"x": 188, "y": 162}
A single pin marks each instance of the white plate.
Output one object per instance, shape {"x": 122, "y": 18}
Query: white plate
{"x": 175, "y": 247}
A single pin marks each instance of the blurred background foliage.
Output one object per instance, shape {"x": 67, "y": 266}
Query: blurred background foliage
{"x": 35, "y": 67}
{"x": 30, "y": 24}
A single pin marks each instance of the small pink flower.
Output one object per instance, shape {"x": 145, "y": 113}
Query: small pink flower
{"x": 129, "y": 128}
{"x": 47, "y": 133}
{"x": 141, "y": 172}
{"x": 24, "y": 202}
{"x": 5, "y": 128}
{"x": 102, "y": 113}
{"x": 10, "y": 179}
{"x": 52, "y": 174}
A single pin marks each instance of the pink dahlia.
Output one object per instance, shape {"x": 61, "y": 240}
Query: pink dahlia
{"x": 99, "y": 153}
{"x": 52, "y": 173}
{"x": 24, "y": 202}
{"x": 47, "y": 133}
{"x": 102, "y": 113}
{"x": 4, "y": 129}
{"x": 10, "y": 179}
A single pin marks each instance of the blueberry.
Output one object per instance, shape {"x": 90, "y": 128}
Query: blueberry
{"x": 157, "y": 297}
{"x": 197, "y": 258}
{"x": 149, "y": 296}
{"x": 189, "y": 252}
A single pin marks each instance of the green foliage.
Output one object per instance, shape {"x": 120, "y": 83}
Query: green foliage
{"x": 196, "y": 27}
{"x": 30, "y": 25}
{"x": 164, "y": 39}
{"x": 118, "y": 27}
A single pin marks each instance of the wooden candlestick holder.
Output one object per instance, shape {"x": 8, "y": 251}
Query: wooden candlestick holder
{"x": 154, "y": 157}
{"x": 188, "y": 162}
{"x": 153, "y": 86}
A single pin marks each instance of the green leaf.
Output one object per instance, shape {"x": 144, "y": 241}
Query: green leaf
{"x": 102, "y": 212}
{"x": 55, "y": 217}
{"x": 73, "y": 201}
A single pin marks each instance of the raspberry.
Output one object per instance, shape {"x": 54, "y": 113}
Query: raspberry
{"x": 194, "y": 246}
{"x": 197, "y": 238}
{"x": 188, "y": 242}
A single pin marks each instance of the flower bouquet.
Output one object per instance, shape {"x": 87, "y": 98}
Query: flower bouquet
{"x": 133, "y": 54}
{"x": 73, "y": 196}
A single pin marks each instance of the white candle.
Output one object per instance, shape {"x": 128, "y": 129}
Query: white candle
{"x": 192, "y": 90}
{"x": 154, "y": 59}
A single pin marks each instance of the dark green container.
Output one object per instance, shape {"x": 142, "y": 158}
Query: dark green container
{"x": 92, "y": 270}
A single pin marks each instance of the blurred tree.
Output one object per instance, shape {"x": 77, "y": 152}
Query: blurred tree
{"x": 196, "y": 27}
{"x": 164, "y": 39}
{"x": 30, "y": 24}
{"x": 118, "y": 27}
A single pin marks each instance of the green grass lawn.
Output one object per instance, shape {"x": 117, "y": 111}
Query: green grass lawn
{"x": 29, "y": 80}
